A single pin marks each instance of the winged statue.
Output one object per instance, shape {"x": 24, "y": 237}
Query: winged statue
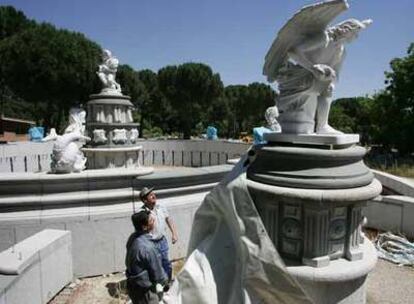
{"x": 305, "y": 60}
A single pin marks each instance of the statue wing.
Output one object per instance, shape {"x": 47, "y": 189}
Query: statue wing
{"x": 310, "y": 20}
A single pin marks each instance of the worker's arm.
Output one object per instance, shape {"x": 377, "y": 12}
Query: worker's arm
{"x": 171, "y": 226}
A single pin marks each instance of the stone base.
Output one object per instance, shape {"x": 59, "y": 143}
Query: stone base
{"x": 310, "y": 167}
{"x": 106, "y": 158}
{"x": 312, "y": 139}
{"x": 341, "y": 282}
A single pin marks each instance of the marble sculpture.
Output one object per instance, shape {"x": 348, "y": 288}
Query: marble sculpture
{"x": 231, "y": 258}
{"x": 99, "y": 136}
{"x": 106, "y": 73}
{"x": 76, "y": 120}
{"x": 305, "y": 59}
{"x": 66, "y": 155}
{"x": 271, "y": 115}
{"x": 133, "y": 135}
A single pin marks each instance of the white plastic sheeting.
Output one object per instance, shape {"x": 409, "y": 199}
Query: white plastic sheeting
{"x": 231, "y": 258}
{"x": 396, "y": 249}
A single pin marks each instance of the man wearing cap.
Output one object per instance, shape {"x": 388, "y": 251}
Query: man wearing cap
{"x": 145, "y": 274}
{"x": 162, "y": 219}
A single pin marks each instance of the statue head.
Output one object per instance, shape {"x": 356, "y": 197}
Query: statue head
{"x": 113, "y": 63}
{"x": 106, "y": 54}
{"x": 271, "y": 114}
{"x": 348, "y": 30}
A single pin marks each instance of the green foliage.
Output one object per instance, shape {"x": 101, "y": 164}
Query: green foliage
{"x": 397, "y": 102}
{"x": 153, "y": 132}
{"x": 12, "y": 22}
{"x": 130, "y": 83}
{"x": 155, "y": 108}
{"x": 242, "y": 108}
{"x": 190, "y": 87}
{"x": 354, "y": 115}
{"x": 387, "y": 118}
{"x": 44, "y": 65}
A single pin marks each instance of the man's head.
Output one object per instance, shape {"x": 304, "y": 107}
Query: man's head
{"x": 143, "y": 221}
{"x": 148, "y": 197}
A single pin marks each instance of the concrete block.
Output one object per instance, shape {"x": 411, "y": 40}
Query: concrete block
{"x": 124, "y": 229}
{"x": 178, "y": 158}
{"x": 56, "y": 267}
{"x": 408, "y": 222}
{"x": 93, "y": 237}
{"x": 186, "y": 158}
{"x": 37, "y": 268}
{"x": 25, "y": 231}
{"x": 26, "y": 288}
{"x": 384, "y": 216}
{"x": 7, "y": 238}
{"x": 168, "y": 158}
{"x": 196, "y": 158}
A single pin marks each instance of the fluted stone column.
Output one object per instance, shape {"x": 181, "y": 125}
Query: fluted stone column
{"x": 114, "y": 135}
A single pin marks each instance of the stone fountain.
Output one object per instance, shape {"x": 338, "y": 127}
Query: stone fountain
{"x": 309, "y": 182}
{"x": 109, "y": 123}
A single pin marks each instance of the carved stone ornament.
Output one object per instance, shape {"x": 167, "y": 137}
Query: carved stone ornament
{"x": 99, "y": 136}
{"x": 133, "y": 135}
{"x": 119, "y": 136}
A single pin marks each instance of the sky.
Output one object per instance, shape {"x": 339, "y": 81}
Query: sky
{"x": 231, "y": 36}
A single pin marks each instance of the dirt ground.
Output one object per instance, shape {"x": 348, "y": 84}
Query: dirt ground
{"x": 387, "y": 284}
{"x": 106, "y": 289}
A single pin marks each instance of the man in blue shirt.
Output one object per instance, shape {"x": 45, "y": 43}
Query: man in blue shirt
{"x": 162, "y": 220}
{"x": 144, "y": 270}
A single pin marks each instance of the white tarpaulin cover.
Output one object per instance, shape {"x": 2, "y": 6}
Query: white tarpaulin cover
{"x": 394, "y": 248}
{"x": 231, "y": 258}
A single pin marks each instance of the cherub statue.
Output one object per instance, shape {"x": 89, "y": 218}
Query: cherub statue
{"x": 271, "y": 115}
{"x": 305, "y": 60}
{"x": 107, "y": 71}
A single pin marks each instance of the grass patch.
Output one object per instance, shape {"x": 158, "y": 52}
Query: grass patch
{"x": 399, "y": 170}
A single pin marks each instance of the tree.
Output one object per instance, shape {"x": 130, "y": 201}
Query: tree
{"x": 131, "y": 85}
{"x": 156, "y": 109}
{"x": 190, "y": 88}
{"x": 247, "y": 105}
{"x": 259, "y": 97}
{"x": 354, "y": 115}
{"x": 51, "y": 67}
{"x": 12, "y": 22}
{"x": 398, "y": 103}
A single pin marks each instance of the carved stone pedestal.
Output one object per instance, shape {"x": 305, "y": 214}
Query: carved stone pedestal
{"x": 114, "y": 135}
{"x": 310, "y": 200}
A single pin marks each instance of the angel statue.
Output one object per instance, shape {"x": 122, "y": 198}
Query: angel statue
{"x": 305, "y": 60}
{"x": 107, "y": 71}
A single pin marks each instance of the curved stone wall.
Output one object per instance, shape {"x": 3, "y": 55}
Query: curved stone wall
{"x": 96, "y": 206}
{"x": 35, "y": 157}
{"x": 394, "y": 212}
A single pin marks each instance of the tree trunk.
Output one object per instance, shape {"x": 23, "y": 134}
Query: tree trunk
{"x": 141, "y": 126}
